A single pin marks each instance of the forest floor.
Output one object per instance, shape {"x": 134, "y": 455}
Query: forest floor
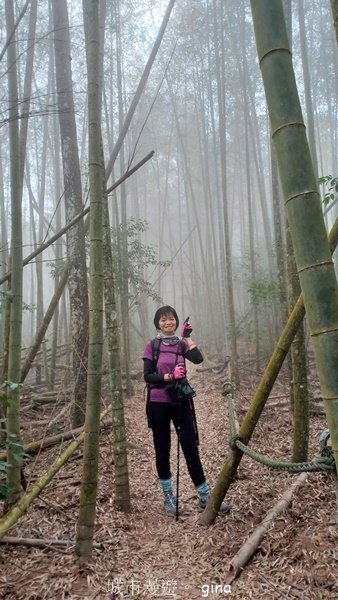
{"x": 146, "y": 555}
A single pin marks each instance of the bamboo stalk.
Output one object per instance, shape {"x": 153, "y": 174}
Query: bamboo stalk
{"x": 259, "y": 400}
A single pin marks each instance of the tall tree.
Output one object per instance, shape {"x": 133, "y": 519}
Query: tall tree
{"x": 121, "y": 480}
{"x": 15, "y": 333}
{"x": 334, "y": 6}
{"x": 302, "y": 200}
{"x": 220, "y": 80}
{"x": 76, "y": 255}
{"x": 297, "y": 359}
{"x": 86, "y": 520}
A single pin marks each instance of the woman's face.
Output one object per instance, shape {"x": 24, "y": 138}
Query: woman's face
{"x": 167, "y": 324}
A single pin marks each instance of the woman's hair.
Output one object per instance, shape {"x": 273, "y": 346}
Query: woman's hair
{"x": 163, "y": 311}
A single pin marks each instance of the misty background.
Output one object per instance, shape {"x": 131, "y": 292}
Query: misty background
{"x": 198, "y": 219}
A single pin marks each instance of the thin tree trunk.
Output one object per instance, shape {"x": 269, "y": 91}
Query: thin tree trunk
{"x": 76, "y": 254}
{"x": 121, "y": 481}
{"x": 334, "y": 7}
{"x": 228, "y": 265}
{"x": 123, "y": 247}
{"x": 86, "y": 519}
{"x": 307, "y": 86}
{"x": 15, "y": 334}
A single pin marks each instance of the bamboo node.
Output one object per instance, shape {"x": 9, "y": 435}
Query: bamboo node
{"x": 300, "y": 195}
{"x": 321, "y": 331}
{"x": 285, "y": 125}
{"x": 314, "y": 265}
{"x": 272, "y": 50}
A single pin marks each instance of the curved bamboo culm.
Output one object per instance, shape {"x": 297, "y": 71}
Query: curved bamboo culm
{"x": 304, "y": 213}
{"x": 259, "y": 400}
{"x": 302, "y": 201}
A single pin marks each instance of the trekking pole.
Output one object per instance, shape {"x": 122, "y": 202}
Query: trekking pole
{"x": 178, "y": 455}
{"x": 179, "y": 399}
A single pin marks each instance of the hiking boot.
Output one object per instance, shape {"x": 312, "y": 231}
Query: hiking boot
{"x": 203, "y": 500}
{"x": 169, "y": 504}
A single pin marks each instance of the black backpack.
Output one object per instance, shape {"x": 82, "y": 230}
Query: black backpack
{"x": 156, "y": 345}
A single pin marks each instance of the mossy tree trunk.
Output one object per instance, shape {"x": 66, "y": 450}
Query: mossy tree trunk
{"x": 299, "y": 399}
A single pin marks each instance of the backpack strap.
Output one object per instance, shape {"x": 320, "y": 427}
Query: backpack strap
{"x": 156, "y": 348}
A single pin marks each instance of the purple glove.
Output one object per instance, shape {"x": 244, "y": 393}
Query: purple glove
{"x": 179, "y": 372}
{"x": 186, "y": 329}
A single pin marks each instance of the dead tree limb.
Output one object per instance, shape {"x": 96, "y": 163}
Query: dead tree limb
{"x": 14, "y": 514}
{"x": 64, "y": 229}
{"x": 250, "y": 545}
{"x": 35, "y": 543}
{"x": 51, "y": 440}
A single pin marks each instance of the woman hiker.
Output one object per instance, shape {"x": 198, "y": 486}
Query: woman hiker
{"x": 161, "y": 370}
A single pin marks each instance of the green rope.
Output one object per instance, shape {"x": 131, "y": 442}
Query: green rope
{"x": 323, "y": 461}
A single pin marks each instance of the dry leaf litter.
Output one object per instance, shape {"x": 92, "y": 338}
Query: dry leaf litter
{"x": 146, "y": 555}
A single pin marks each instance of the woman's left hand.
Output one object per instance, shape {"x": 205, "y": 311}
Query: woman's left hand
{"x": 186, "y": 329}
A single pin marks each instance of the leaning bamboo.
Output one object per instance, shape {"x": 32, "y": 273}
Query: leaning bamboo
{"x": 14, "y": 514}
{"x": 312, "y": 250}
{"x": 302, "y": 200}
{"x": 259, "y": 400}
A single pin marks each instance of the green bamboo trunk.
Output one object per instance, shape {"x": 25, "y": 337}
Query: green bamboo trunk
{"x": 259, "y": 400}
{"x": 334, "y": 6}
{"x": 312, "y": 249}
{"x": 119, "y": 441}
{"x": 302, "y": 200}
{"x": 15, "y": 333}
{"x": 86, "y": 519}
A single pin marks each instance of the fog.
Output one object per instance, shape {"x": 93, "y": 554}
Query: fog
{"x": 201, "y": 212}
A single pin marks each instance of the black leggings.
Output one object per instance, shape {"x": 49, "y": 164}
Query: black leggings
{"x": 160, "y": 415}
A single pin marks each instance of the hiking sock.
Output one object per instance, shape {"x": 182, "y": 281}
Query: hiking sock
{"x": 169, "y": 499}
{"x": 203, "y": 491}
{"x": 203, "y": 495}
{"x": 166, "y": 485}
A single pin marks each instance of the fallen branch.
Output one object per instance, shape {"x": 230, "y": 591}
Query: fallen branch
{"x": 250, "y": 546}
{"x": 36, "y": 543}
{"x": 14, "y": 514}
{"x": 40, "y": 542}
{"x": 51, "y": 440}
